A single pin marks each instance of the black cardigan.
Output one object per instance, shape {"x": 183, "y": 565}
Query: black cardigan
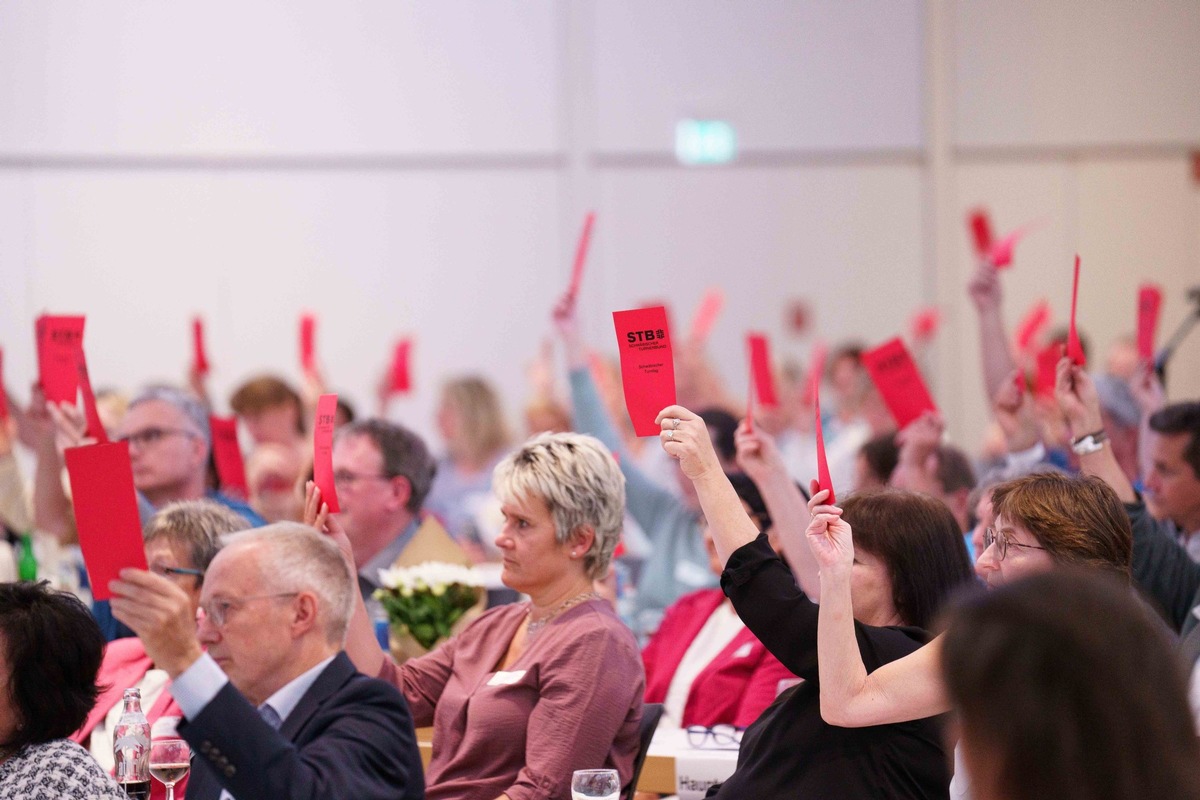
{"x": 790, "y": 751}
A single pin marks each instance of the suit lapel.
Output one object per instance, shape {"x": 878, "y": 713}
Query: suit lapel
{"x": 332, "y": 678}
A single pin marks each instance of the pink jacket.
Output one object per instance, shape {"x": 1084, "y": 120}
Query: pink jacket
{"x": 734, "y": 688}
{"x": 125, "y": 663}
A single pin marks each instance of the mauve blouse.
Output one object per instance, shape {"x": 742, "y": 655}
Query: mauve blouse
{"x": 572, "y": 700}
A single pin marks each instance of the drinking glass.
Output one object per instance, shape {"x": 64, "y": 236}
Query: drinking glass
{"x": 170, "y": 760}
{"x": 595, "y": 784}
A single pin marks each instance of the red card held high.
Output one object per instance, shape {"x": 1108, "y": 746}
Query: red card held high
{"x": 899, "y": 381}
{"x": 227, "y": 454}
{"x": 647, "y": 368}
{"x": 1047, "y": 369}
{"x": 1031, "y": 326}
{"x": 95, "y": 428}
{"x": 1149, "y": 303}
{"x": 308, "y": 346}
{"x": 823, "y": 479}
{"x": 706, "y": 314}
{"x": 981, "y": 232}
{"x": 106, "y": 512}
{"x": 581, "y": 252}
{"x": 816, "y": 369}
{"x": 401, "y": 381}
{"x": 323, "y": 450}
{"x": 199, "y": 356}
{"x": 1074, "y": 346}
{"x": 58, "y": 341}
{"x": 760, "y": 369}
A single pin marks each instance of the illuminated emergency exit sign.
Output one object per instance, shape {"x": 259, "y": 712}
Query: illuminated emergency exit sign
{"x": 704, "y": 141}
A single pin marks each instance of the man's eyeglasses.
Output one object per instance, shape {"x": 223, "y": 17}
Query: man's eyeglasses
{"x": 718, "y": 737}
{"x": 216, "y": 611}
{"x": 148, "y": 436}
{"x": 990, "y": 537}
{"x": 345, "y": 479}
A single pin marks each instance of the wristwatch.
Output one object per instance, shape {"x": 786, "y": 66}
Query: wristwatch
{"x": 1091, "y": 443}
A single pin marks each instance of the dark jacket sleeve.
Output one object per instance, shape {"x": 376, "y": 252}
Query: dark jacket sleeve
{"x": 766, "y": 597}
{"x": 363, "y": 747}
{"x": 1162, "y": 568}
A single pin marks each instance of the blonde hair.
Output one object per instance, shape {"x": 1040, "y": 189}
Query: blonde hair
{"x": 579, "y": 481}
{"x": 195, "y": 525}
{"x": 484, "y": 431}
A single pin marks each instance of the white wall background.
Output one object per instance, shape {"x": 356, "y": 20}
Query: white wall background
{"x": 422, "y": 167}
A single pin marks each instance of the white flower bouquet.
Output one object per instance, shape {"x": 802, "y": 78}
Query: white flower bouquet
{"x": 426, "y": 601}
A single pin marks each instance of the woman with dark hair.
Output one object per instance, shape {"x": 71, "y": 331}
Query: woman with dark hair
{"x": 911, "y": 556}
{"x": 1052, "y": 704}
{"x": 50, "y": 651}
{"x": 1042, "y": 521}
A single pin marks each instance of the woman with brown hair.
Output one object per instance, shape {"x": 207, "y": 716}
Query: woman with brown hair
{"x": 1073, "y": 699}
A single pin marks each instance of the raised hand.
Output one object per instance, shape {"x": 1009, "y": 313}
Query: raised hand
{"x": 160, "y": 613}
{"x": 316, "y": 514}
{"x": 685, "y": 438}
{"x": 757, "y": 454}
{"x": 829, "y": 536}
{"x": 1077, "y": 398}
{"x": 984, "y": 288}
{"x": 70, "y": 426}
{"x": 1014, "y": 410}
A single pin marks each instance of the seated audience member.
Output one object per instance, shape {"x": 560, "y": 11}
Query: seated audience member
{"x": 876, "y": 461}
{"x": 529, "y": 692}
{"x": 274, "y": 708}
{"x": 383, "y": 472}
{"x": 50, "y": 650}
{"x": 939, "y": 470}
{"x": 274, "y": 475}
{"x": 181, "y": 541}
{"x": 471, "y": 422}
{"x": 912, "y": 557}
{"x": 703, "y": 664}
{"x": 1052, "y": 704}
{"x": 1162, "y": 567}
{"x": 272, "y": 412}
{"x": 675, "y": 562}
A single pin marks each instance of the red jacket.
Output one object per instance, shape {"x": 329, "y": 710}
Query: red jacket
{"x": 125, "y": 663}
{"x": 734, "y": 688}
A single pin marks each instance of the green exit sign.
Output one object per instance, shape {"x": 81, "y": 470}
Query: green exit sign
{"x": 705, "y": 141}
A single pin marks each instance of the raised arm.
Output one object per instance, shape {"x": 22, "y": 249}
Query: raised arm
{"x": 759, "y": 458}
{"x": 906, "y": 689}
{"x": 997, "y": 361}
{"x": 685, "y": 438}
{"x": 1076, "y": 396}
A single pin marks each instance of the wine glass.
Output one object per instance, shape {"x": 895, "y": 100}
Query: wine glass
{"x": 595, "y": 784}
{"x": 170, "y": 760}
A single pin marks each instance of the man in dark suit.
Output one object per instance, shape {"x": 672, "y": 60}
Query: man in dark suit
{"x": 274, "y": 708}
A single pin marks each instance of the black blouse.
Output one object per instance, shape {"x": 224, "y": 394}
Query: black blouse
{"x": 790, "y": 751}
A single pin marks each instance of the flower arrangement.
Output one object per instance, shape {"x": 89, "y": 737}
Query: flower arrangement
{"x": 426, "y": 600}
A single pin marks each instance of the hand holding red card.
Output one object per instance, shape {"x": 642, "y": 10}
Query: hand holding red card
{"x": 647, "y": 367}
{"x": 58, "y": 341}
{"x": 981, "y": 233}
{"x": 899, "y": 381}
{"x": 323, "y": 450}
{"x": 227, "y": 454}
{"x": 760, "y": 369}
{"x": 106, "y": 512}
{"x": 1074, "y": 346}
{"x": 1149, "y": 304}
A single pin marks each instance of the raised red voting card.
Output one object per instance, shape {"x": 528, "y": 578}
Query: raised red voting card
{"x": 899, "y": 381}
{"x": 323, "y": 450}
{"x": 647, "y": 367}
{"x": 58, "y": 341}
{"x": 227, "y": 454}
{"x": 760, "y": 369}
{"x": 1149, "y": 304}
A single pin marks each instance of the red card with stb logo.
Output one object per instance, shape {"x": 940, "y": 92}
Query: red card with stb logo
{"x": 899, "y": 381}
{"x": 647, "y": 367}
{"x": 227, "y": 454}
{"x": 58, "y": 341}
{"x": 106, "y": 512}
{"x": 323, "y": 450}
{"x": 760, "y": 369}
{"x": 1149, "y": 303}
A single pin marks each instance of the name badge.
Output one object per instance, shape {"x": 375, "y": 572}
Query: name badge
{"x": 506, "y": 678}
